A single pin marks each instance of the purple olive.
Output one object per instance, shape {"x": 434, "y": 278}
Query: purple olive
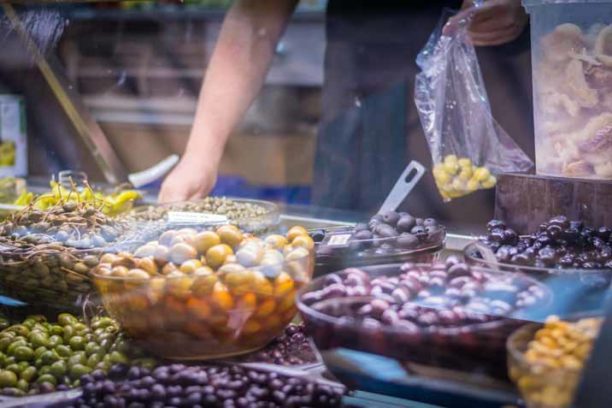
{"x": 406, "y": 223}
{"x": 407, "y": 241}
{"x": 364, "y": 235}
{"x": 391, "y": 218}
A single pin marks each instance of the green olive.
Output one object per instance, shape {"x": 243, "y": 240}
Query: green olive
{"x": 44, "y": 370}
{"x": 80, "y": 327}
{"x": 102, "y": 323}
{"x": 56, "y": 330}
{"x": 66, "y": 319}
{"x": 23, "y": 353}
{"x": 19, "y": 329}
{"x": 14, "y": 368}
{"x": 230, "y": 235}
{"x": 93, "y": 360}
{"x": 77, "y": 358}
{"x": 14, "y": 345}
{"x": 216, "y": 255}
{"x": 39, "y": 339}
{"x": 23, "y": 385}
{"x": 68, "y": 333}
{"x": 37, "y": 318}
{"x": 118, "y": 358}
{"x": 55, "y": 341}
{"x": 63, "y": 350}
{"x": 9, "y": 360}
{"x": 28, "y": 374}
{"x": 39, "y": 351}
{"x": 7, "y": 379}
{"x": 58, "y": 369}
{"x": 4, "y": 343}
{"x": 49, "y": 357}
{"x": 47, "y": 378}
{"x": 92, "y": 348}
{"x": 77, "y": 343}
{"x": 79, "y": 370}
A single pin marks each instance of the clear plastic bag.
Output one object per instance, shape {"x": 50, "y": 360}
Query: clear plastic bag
{"x": 467, "y": 145}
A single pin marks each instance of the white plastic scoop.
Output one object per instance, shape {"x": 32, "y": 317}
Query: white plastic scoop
{"x": 403, "y": 186}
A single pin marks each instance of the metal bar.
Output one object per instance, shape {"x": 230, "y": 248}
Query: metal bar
{"x": 86, "y": 127}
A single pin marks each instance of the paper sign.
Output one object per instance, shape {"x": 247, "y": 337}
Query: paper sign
{"x": 182, "y": 217}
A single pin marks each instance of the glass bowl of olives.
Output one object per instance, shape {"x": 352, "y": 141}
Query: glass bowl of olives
{"x": 446, "y": 315}
{"x": 46, "y": 255}
{"x": 255, "y": 216}
{"x": 390, "y": 237}
{"x": 206, "y": 294}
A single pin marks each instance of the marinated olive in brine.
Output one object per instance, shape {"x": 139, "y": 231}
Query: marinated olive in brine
{"x": 206, "y": 294}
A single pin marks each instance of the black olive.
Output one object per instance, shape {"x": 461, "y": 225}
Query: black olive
{"x": 385, "y": 231}
{"x": 495, "y": 224}
{"x": 407, "y": 241}
{"x": 406, "y": 223}
{"x": 391, "y": 218}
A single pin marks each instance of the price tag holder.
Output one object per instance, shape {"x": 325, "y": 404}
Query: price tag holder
{"x": 196, "y": 218}
{"x": 338, "y": 240}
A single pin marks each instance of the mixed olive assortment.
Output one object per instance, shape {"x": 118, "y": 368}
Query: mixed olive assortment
{"x": 548, "y": 368}
{"x": 69, "y": 224}
{"x": 385, "y": 234}
{"x": 208, "y": 293}
{"x": 234, "y": 210}
{"x": 456, "y": 177}
{"x": 401, "y": 313}
{"x": 560, "y": 242}
{"x": 178, "y": 385}
{"x": 37, "y": 356}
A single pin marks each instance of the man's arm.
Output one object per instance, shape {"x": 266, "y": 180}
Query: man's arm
{"x": 235, "y": 75}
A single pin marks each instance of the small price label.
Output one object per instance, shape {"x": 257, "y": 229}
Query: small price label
{"x": 181, "y": 217}
{"x": 339, "y": 240}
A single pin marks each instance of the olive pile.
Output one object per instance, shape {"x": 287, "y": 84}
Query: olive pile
{"x": 445, "y": 314}
{"x": 456, "y": 177}
{"x": 37, "y": 356}
{"x": 70, "y": 224}
{"x": 209, "y": 293}
{"x": 454, "y": 289}
{"x": 549, "y": 369}
{"x": 291, "y": 348}
{"x": 234, "y": 210}
{"x": 178, "y": 385}
{"x": 385, "y": 234}
{"x": 557, "y": 243}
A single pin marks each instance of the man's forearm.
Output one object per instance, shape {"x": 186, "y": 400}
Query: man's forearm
{"x": 237, "y": 70}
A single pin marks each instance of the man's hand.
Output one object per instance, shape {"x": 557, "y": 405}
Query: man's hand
{"x": 496, "y": 22}
{"x": 192, "y": 178}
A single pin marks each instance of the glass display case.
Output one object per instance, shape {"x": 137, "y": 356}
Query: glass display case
{"x": 302, "y": 203}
